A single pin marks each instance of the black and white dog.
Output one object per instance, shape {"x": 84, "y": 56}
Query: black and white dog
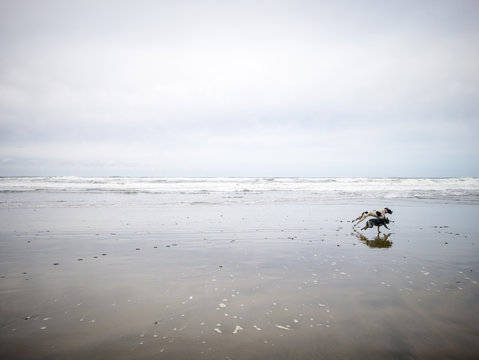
{"x": 376, "y": 213}
{"x": 376, "y": 222}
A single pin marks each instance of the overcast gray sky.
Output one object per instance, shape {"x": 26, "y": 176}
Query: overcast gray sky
{"x": 239, "y": 88}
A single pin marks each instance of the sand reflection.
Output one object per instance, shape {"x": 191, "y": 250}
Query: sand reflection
{"x": 379, "y": 241}
{"x": 246, "y": 282}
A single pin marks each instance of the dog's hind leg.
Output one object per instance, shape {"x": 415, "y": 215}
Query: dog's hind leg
{"x": 359, "y": 221}
{"x": 361, "y": 217}
{"x": 358, "y": 218}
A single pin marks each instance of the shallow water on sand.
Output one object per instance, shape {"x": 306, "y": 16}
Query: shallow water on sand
{"x": 242, "y": 281}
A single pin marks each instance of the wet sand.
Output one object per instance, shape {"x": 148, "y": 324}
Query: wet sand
{"x": 286, "y": 281}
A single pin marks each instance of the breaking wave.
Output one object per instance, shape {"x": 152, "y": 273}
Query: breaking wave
{"x": 248, "y": 190}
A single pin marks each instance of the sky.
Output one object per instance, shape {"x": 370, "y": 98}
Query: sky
{"x": 239, "y": 88}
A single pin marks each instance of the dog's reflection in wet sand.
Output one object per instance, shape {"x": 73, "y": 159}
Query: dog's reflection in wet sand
{"x": 380, "y": 241}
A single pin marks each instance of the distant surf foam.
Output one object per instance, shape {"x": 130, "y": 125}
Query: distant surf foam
{"x": 253, "y": 190}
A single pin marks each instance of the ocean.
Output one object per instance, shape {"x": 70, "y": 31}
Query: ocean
{"x": 92, "y": 191}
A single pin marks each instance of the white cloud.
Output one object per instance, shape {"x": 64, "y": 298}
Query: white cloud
{"x": 223, "y": 88}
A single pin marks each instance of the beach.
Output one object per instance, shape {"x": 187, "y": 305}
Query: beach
{"x": 254, "y": 273}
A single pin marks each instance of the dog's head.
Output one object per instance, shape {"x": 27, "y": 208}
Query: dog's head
{"x": 388, "y": 211}
{"x": 386, "y": 220}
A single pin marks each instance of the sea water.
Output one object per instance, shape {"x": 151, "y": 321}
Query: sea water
{"x": 88, "y": 191}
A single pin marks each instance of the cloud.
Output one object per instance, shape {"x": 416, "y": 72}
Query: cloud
{"x": 226, "y": 88}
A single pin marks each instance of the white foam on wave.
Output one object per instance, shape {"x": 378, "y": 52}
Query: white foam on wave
{"x": 254, "y": 190}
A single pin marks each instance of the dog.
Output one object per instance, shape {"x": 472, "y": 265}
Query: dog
{"x": 376, "y": 222}
{"x": 376, "y": 213}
